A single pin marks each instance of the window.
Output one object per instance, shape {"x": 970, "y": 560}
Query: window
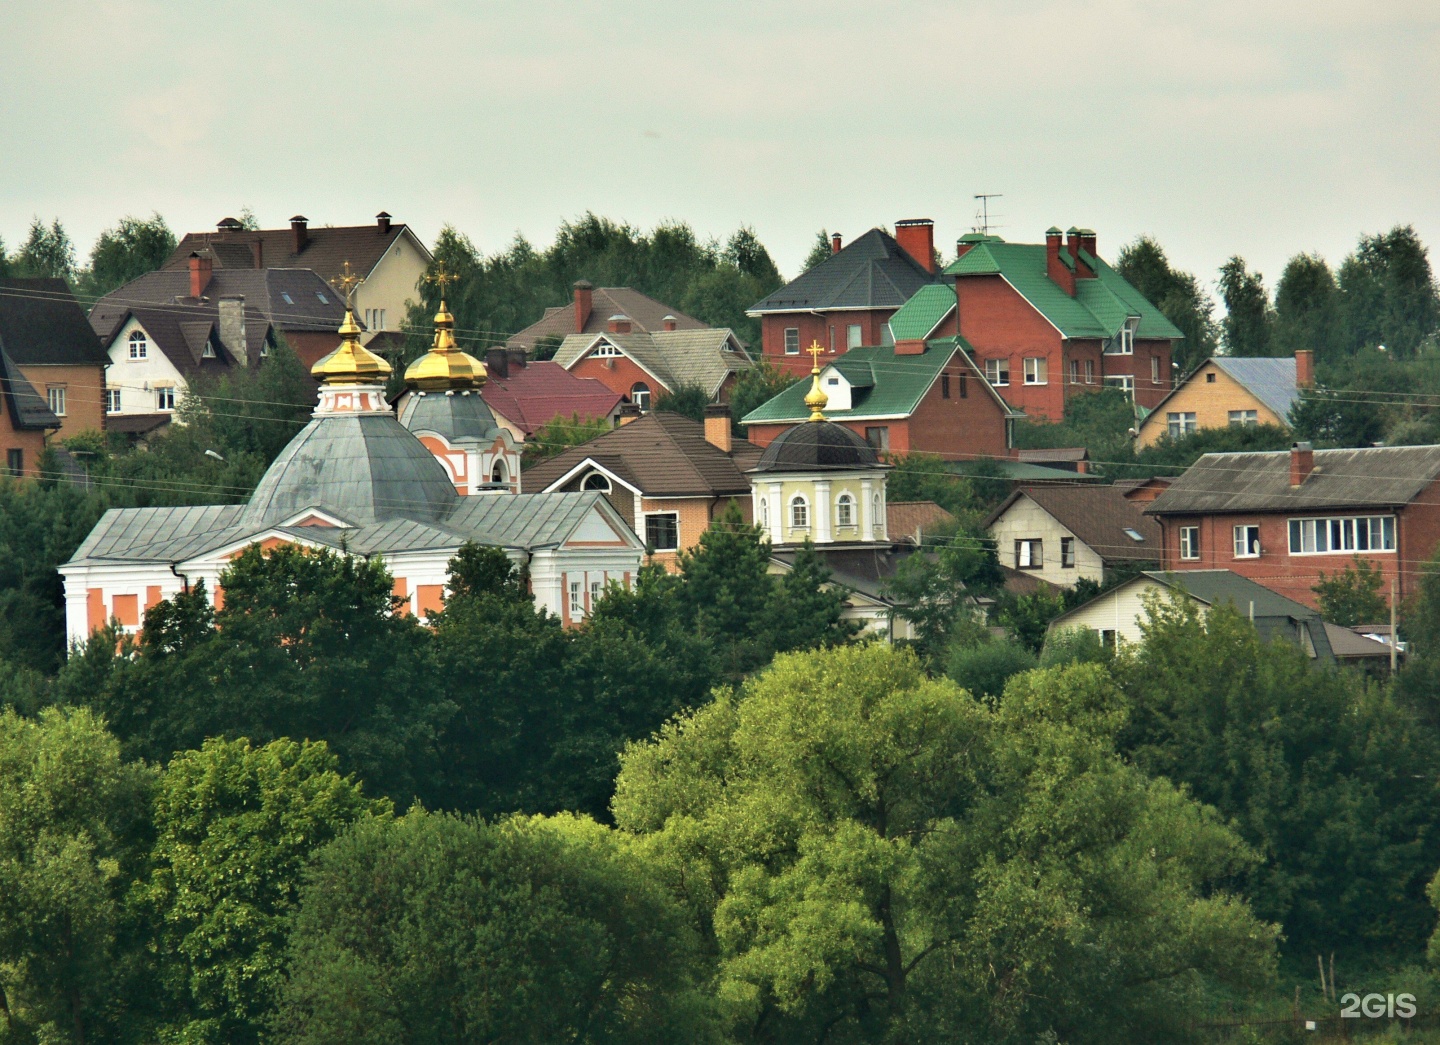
{"x": 662, "y": 531}
{"x": 1190, "y": 542}
{"x": 112, "y": 400}
{"x": 1180, "y": 424}
{"x": 1134, "y": 534}
{"x": 264, "y": 349}
{"x": 165, "y": 399}
{"x": 1036, "y": 370}
{"x": 288, "y": 299}
{"x": 997, "y": 371}
{"x": 964, "y": 385}
{"x": 606, "y": 349}
{"x": 1364, "y": 533}
{"x": 1124, "y": 382}
{"x": 323, "y": 299}
{"x": 1123, "y": 343}
{"x": 208, "y": 352}
{"x": 640, "y": 395}
{"x": 853, "y": 337}
{"x": 845, "y": 510}
{"x": 499, "y": 473}
{"x": 1089, "y": 371}
{"x": 55, "y": 396}
{"x": 879, "y": 437}
{"x": 1074, "y": 371}
{"x": 1247, "y": 541}
{"x": 1028, "y": 555}
{"x": 792, "y": 341}
{"x": 764, "y": 514}
{"x": 1154, "y": 370}
{"x": 799, "y": 513}
{"x": 944, "y": 386}
{"x": 15, "y": 462}
{"x": 139, "y": 345}
{"x": 597, "y": 590}
{"x": 877, "y": 516}
{"x": 1210, "y": 378}
{"x": 1067, "y": 553}
{"x": 596, "y": 481}
{"x": 577, "y": 600}
{"x": 1107, "y": 638}
{"x": 1239, "y": 418}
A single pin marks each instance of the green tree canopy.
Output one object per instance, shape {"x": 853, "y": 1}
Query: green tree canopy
{"x": 1353, "y": 595}
{"x": 132, "y": 248}
{"x": 1178, "y": 295}
{"x": 1306, "y": 308}
{"x": 46, "y": 252}
{"x": 1247, "y": 327}
{"x": 1388, "y": 293}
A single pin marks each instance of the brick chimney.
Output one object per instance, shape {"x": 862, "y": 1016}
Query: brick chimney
{"x": 228, "y": 225}
{"x": 1056, "y": 269}
{"x": 916, "y": 237}
{"x": 628, "y": 412}
{"x": 257, "y": 251}
{"x": 584, "y": 302}
{"x": 834, "y": 243}
{"x": 200, "y": 269}
{"x": 1304, "y": 368}
{"x": 516, "y": 358}
{"x": 966, "y": 243}
{"x": 300, "y": 226}
{"x": 1302, "y": 463}
{"x": 232, "y": 328}
{"x": 910, "y": 347}
{"x": 382, "y": 221}
{"x": 618, "y": 324}
{"x": 1084, "y": 240}
{"x": 717, "y": 426}
{"x": 670, "y": 323}
{"x": 497, "y": 363}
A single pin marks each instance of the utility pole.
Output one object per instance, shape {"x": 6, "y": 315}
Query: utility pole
{"x": 1394, "y": 637}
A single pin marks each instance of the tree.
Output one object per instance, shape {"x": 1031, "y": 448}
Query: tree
{"x": 46, "y": 252}
{"x": 806, "y": 608}
{"x": 1306, "y": 309}
{"x": 1176, "y": 294}
{"x": 235, "y": 825}
{"x": 1388, "y": 293}
{"x": 726, "y": 591}
{"x": 134, "y": 247}
{"x": 819, "y": 251}
{"x": 1246, "y": 328}
{"x": 479, "y": 569}
{"x": 875, "y": 856}
{"x": 252, "y": 411}
{"x": 687, "y": 401}
{"x": 433, "y": 929}
{"x": 1027, "y": 617}
{"x": 934, "y": 590}
{"x": 560, "y": 434}
{"x": 1352, "y": 596}
{"x": 71, "y": 828}
{"x": 754, "y": 388}
{"x": 983, "y": 668}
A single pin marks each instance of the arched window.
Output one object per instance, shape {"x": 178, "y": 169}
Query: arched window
{"x": 640, "y": 395}
{"x": 596, "y": 481}
{"x": 879, "y": 519}
{"x": 799, "y": 512}
{"x": 499, "y": 474}
{"x": 764, "y": 513}
{"x": 139, "y": 344}
{"x": 845, "y": 510}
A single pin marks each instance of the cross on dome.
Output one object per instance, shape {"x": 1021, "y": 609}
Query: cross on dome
{"x": 816, "y": 398}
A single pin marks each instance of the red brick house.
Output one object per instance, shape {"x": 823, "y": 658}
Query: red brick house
{"x": 641, "y": 365}
{"x": 526, "y": 396}
{"x": 846, "y": 301}
{"x": 1050, "y": 320}
{"x": 1284, "y": 517}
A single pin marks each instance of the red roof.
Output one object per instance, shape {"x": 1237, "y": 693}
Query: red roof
{"x": 531, "y": 397}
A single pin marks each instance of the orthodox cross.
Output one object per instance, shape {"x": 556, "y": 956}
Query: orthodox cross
{"x": 440, "y": 277}
{"x": 346, "y": 284}
{"x": 815, "y": 351}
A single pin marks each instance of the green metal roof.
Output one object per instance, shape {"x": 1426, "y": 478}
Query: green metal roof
{"x": 1100, "y": 306}
{"x": 919, "y": 316}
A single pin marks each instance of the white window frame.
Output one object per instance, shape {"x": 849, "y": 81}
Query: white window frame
{"x": 1074, "y": 371}
{"x": 792, "y": 341}
{"x": 165, "y": 398}
{"x": 606, "y": 351}
{"x": 55, "y": 398}
{"x": 1067, "y": 553}
{"x": 997, "y": 372}
{"x": 1180, "y": 423}
{"x": 854, "y": 336}
{"x": 655, "y": 515}
{"x": 1190, "y": 543}
{"x": 208, "y": 352}
{"x": 640, "y": 396}
{"x": 1089, "y": 371}
{"x": 591, "y": 477}
{"x": 799, "y": 512}
{"x": 1029, "y": 553}
{"x": 139, "y": 345}
{"x": 112, "y": 400}
{"x": 1243, "y": 418}
{"x": 1124, "y": 382}
{"x": 1311, "y": 533}
{"x": 1037, "y": 370}
{"x": 577, "y": 600}
{"x": 882, "y": 443}
{"x": 1244, "y": 546}
{"x": 845, "y": 510}
{"x": 1154, "y": 370}
{"x": 597, "y": 590}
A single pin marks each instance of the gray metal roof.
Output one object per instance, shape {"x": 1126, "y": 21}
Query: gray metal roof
{"x": 146, "y": 534}
{"x": 1272, "y": 381}
{"x": 524, "y": 520}
{"x": 1376, "y": 477}
{"x": 457, "y": 415}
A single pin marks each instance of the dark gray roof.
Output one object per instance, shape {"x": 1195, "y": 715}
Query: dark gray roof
{"x": 817, "y": 446}
{"x": 1376, "y": 477}
{"x": 867, "y": 569}
{"x": 1098, "y": 515}
{"x": 456, "y": 415}
{"x": 326, "y": 248}
{"x": 41, "y": 323}
{"x": 873, "y": 271}
{"x": 1270, "y": 380}
{"x": 153, "y": 534}
{"x": 28, "y": 412}
{"x": 363, "y": 468}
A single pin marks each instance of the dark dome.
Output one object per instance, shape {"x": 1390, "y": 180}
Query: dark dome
{"x": 363, "y": 468}
{"x": 817, "y": 445}
{"x": 460, "y": 415}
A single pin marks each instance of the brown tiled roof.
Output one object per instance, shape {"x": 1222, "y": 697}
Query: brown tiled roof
{"x": 646, "y": 316}
{"x": 530, "y": 397}
{"x": 325, "y": 252}
{"x": 41, "y": 323}
{"x": 663, "y": 455}
{"x": 137, "y": 424}
{"x": 1023, "y": 582}
{"x": 903, "y": 519}
{"x": 701, "y": 358}
{"x": 1097, "y": 515}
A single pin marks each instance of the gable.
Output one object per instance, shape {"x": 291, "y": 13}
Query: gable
{"x": 596, "y": 531}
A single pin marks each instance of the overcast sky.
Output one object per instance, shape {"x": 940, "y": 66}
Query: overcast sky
{"x": 1232, "y": 126}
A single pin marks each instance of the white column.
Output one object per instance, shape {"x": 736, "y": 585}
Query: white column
{"x": 867, "y": 510}
{"x": 777, "y": 514}
{"x": 822, "y": 512}
{"x": 882, "y": 525}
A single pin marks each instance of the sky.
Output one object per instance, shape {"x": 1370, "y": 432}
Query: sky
{"x": 1224, "y": 127}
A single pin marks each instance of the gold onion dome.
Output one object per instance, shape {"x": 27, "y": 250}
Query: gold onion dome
{"x": 816, "y": 399}
{"x": 445, "y": 367}
{"x": 352, "y": 363}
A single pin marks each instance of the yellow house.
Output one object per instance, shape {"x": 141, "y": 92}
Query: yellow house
{"x": 1229, "y": 390}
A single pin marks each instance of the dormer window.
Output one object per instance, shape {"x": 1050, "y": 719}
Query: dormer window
{"x": 606, "y": 350}
{"x": 208, "y": 352}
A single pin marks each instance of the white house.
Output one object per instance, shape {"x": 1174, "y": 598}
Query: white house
{"x": 1063, "y": 534}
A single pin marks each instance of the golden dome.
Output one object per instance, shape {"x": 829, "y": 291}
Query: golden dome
{"x": 351, "y": 363}
{"x": 445, "y": 367}
{"x": 816, "y": 398}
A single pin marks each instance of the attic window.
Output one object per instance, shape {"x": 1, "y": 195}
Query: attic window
{"x": 208, "y": 352}
{"x": 323, "y": 299}
{"x": 1134, "y": 535}
{"x": 288, "y": 299}
{"x": 606, "y": 349}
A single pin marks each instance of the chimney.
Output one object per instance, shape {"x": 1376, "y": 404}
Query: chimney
{"x": 299, "y": 225}
{"x": 910, "y": 347}
{"x": 669, "y": 322}
{"x": 834, "y": 243}
{"x": 618, "y": 324}
{"x": 497, "y": 363}
{"x": 232, "y": 328}
{"x": 257, "y": 249}
{"x": 199, "y": 274}
{"x": 1302, "y": 463}
{"x": 515, "y": 359}
{"x": 382, "y": 221}
{"x": 628, "y": 412}
{"x": 1056, "y": 269}
{"x": 1084, "y": 240}
{"x": 228, "y": 225}
{"x": 717, "y": 426}
{"x": 916, "y": 237}
{"x": 584, "y": 301}
{"x": 1304, "y": 368}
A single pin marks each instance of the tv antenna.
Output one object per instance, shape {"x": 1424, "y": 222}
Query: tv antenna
{"x": 982, "y": 213}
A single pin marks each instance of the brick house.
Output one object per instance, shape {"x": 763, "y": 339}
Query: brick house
{"x": 642, "y": 366}
{"x": 846, "y": 301}
{"x": 1050, "y": 320}
{"x": 526, "y": 395}
{"x": 592, "y": 310}
{"x": 1065, "y": 534}
{"x": 1284, "y": 517}
{"x": 24, "y": 420}
{"x": 46, "y": 335}
{"x": 1231, "y": 390}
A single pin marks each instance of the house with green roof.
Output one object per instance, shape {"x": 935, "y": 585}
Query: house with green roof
{"x": 915, "y": 395}
{"x": 1047, "y": 321}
